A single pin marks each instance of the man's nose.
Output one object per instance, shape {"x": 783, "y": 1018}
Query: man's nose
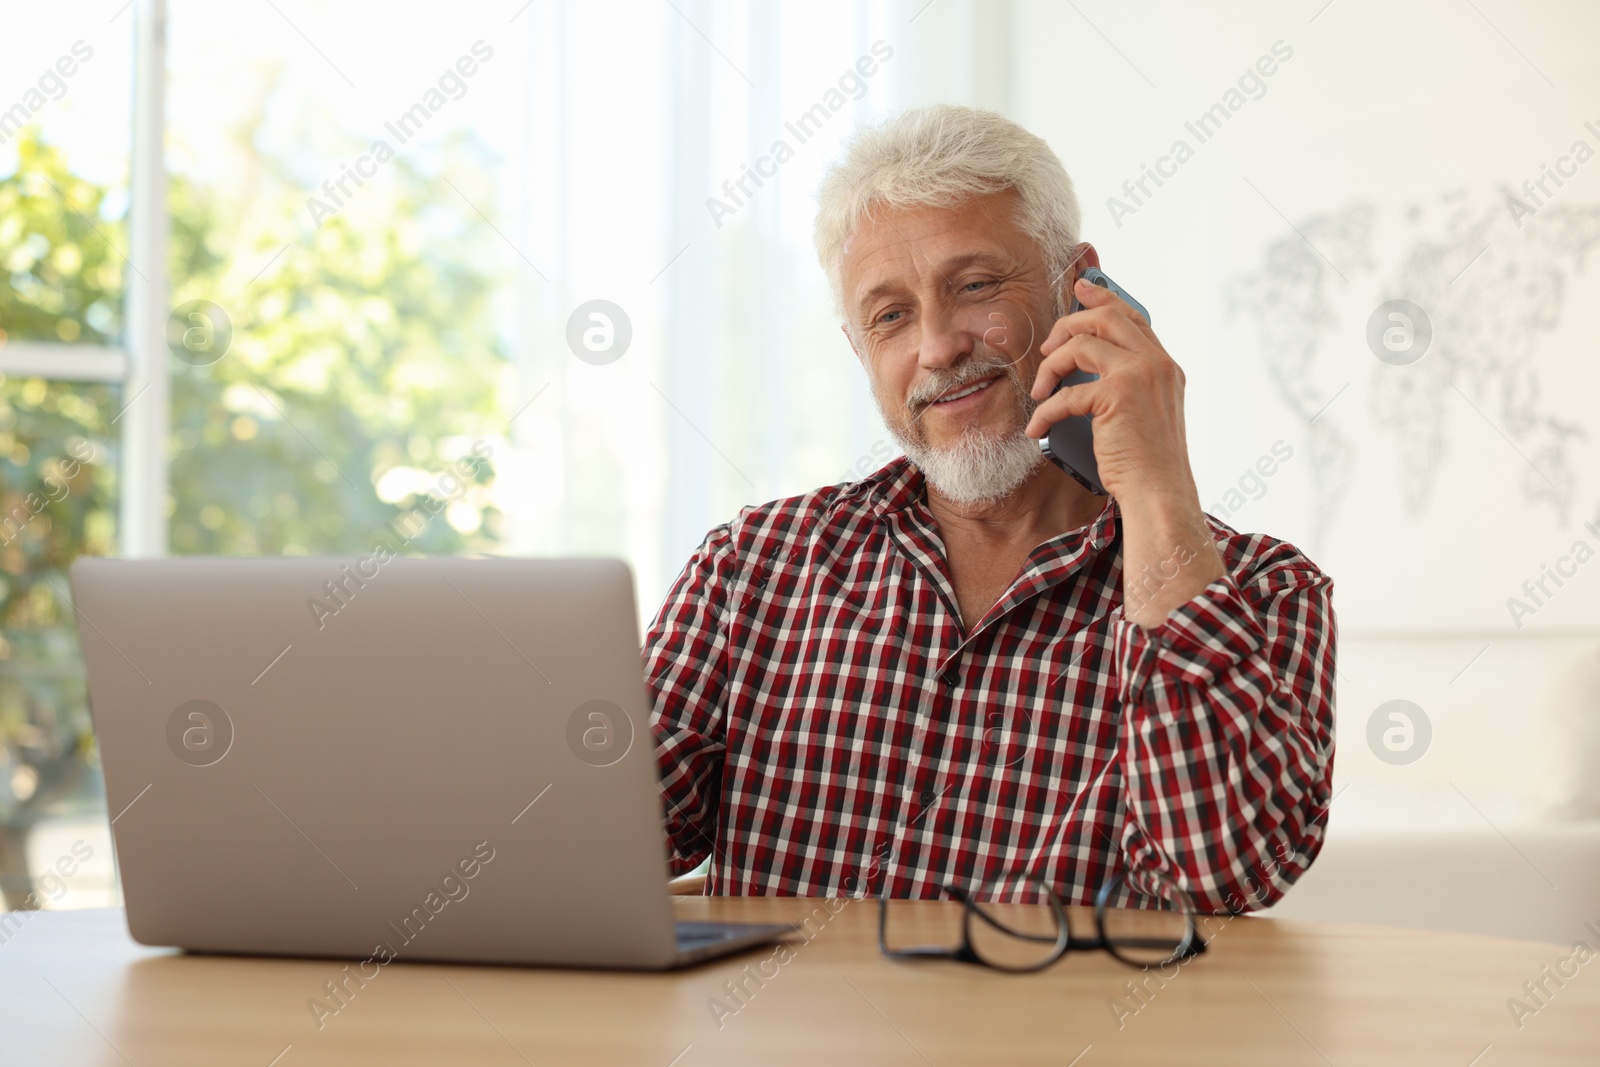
{"x": 945, "y": 340}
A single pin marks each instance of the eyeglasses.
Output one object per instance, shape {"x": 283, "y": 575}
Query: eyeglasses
{"x": 1158, "y": 929}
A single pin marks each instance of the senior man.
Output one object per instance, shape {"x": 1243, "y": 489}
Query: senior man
{"x": 967, "y": 669}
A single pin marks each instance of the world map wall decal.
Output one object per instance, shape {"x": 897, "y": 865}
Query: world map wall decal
{"x": 1493, "y": 277}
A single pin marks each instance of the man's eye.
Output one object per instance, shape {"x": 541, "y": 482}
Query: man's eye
{"x": 888, "y": 318}
{"x": 972, "y": 287}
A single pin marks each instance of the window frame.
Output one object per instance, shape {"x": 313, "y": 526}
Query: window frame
{"x": 139, "y": 364}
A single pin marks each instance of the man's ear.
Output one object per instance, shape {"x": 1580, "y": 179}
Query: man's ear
{"x": 845, "y": 329}
{"x": 1083, "y": 255}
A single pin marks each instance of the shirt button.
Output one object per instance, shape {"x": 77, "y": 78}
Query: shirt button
{"x": 927, "y": 797}
{"x": 952, "y": 677}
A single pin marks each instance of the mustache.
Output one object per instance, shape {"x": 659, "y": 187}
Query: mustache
{"x": 968, "y": 373}
{"x": 939, "y": 383}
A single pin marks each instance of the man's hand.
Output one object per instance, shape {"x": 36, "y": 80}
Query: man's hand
{"x": 1137, "y": 404}
{"x": 1139, "y": 445}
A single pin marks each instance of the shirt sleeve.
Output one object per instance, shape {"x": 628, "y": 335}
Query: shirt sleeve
{"x": 686, "y": 671}
{"x": 1227, "y": 734}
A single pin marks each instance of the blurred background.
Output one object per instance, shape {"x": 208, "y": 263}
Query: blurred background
{"x": 268, "y": 269}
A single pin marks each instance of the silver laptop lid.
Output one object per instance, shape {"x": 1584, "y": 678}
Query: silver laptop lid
{"x": 437, "y": 758}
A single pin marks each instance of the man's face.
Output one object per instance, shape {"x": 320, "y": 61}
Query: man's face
{"x": 947, "y": 308}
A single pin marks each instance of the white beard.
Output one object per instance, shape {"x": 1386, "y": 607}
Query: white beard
{"x": 979, "y": 468}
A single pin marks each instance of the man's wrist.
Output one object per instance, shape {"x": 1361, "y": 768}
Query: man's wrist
{"x": 1169, "y": 555}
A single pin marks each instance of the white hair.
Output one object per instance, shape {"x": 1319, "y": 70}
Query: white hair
{"x": 939, "y": 157}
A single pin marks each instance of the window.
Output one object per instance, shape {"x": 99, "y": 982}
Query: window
{"x": 64, "y": 253}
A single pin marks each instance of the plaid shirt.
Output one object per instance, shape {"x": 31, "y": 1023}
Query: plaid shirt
{"x": 825, "y": 726}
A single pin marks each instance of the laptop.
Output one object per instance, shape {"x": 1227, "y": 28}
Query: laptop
{"x": 413, "y": 759}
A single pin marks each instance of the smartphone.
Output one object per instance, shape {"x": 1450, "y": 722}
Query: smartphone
{"x": 1070, "y": 442}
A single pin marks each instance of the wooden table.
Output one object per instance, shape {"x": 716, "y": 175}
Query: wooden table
{"x": 75, "y": 990}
